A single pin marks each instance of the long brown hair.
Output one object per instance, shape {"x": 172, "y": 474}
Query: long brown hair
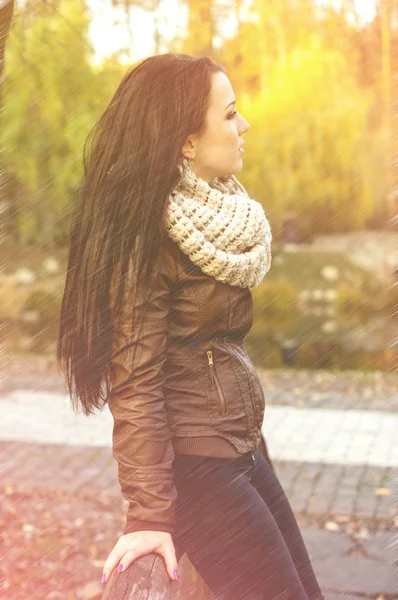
{"x": 131, "y": 159}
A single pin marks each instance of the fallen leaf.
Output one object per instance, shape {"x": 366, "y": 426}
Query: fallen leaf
{"x": 66, "y": 540}
{"x": 351, "y": 527}
{"x": 363, "y": 533}
{"x": 343, "y": 518}
{"x": 332, "y": 526}
{"x": 97, "y": 563}
{"x": 382, "y": 492}
{"x": 91, "y": 590}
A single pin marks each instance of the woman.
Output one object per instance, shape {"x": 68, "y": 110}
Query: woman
{"x": 165, "y": 246}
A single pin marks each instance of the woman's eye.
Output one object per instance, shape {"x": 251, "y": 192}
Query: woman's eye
{"x": 231, "y": 115}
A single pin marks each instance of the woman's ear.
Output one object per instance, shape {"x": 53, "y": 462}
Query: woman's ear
{"x": 188, "y": 149}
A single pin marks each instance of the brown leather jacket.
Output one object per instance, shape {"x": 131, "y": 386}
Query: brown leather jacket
{"x": 192, "y": 388}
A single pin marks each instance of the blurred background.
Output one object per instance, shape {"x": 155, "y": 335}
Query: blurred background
{"x": 318, "y": 82}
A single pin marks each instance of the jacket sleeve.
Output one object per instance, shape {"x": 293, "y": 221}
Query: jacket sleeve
{"x": 141, "y": 438}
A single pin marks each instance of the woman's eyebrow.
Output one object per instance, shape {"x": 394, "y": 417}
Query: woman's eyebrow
{"x": 230, "y": 104}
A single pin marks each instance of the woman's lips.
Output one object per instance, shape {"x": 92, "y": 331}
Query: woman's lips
{"x": 241, "y": 150}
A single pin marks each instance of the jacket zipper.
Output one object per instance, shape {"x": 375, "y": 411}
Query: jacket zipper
{"x": 215, "y": 384}
{"x": 248, "y": 378}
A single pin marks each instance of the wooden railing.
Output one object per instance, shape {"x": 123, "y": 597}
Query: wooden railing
{"x": 147, "y": 579}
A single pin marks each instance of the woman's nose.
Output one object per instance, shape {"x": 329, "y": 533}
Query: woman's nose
{"x": 244, "y": 127}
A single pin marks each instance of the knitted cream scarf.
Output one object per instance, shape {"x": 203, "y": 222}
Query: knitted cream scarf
{"x": 220, "y": 228}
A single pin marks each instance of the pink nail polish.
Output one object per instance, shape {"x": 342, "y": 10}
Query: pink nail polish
{"x": 175, "y": 575}
{"x": 120, "y": 568}
{"x": 103, "y": 579}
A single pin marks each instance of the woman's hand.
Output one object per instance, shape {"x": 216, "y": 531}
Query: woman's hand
{"x": 138, "y": 543}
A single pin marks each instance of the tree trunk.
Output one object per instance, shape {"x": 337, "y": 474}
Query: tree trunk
{"x": 6, "y": 13}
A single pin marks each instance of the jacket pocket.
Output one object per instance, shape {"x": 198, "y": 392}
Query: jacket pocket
{"x": 215, "y": 383}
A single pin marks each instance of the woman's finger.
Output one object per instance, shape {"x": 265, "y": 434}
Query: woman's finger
{"x": 130, "y": 556}
{"x": 168, "y": 553}
{"x": 128, "y": 549}
{"x": 115, "y": 559}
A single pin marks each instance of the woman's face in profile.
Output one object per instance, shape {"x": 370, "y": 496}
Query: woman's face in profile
{"x": 217, "y": 152}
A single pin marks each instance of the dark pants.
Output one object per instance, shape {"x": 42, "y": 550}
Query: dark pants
{"x": 236, "y": 525}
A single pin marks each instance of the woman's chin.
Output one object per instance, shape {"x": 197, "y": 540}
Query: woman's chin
{"x": 232, "y": 171}
{"x": 239, "y": 166}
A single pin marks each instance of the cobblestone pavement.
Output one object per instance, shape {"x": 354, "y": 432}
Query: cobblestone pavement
{"x": 358, "y": 557}
{"x": 351, "y": 437}
{"x": 315, "y": 489}
{"x": 330, "y": 461}
{"x": 337, "y": 463}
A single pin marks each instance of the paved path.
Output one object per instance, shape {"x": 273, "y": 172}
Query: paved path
{"x": 329, "y": 461}
{"x": 350, "y": 559}
{"x": 335, "y": 464}
{"x": 347, "y": 437}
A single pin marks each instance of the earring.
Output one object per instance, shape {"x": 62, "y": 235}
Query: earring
{"x": 185, "y": 166}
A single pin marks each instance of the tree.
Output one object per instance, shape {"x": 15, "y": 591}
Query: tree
{"x": 201, "y": 28}
{"x": 6, "y": 13}
{"x": 308, "y": 145}
{"x": 53, "y": 94}
{"x": 386, "y": 10}
{"x": 151, "y": 6}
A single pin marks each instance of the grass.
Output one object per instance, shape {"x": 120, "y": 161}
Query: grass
{"x": 304, "y": 269}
